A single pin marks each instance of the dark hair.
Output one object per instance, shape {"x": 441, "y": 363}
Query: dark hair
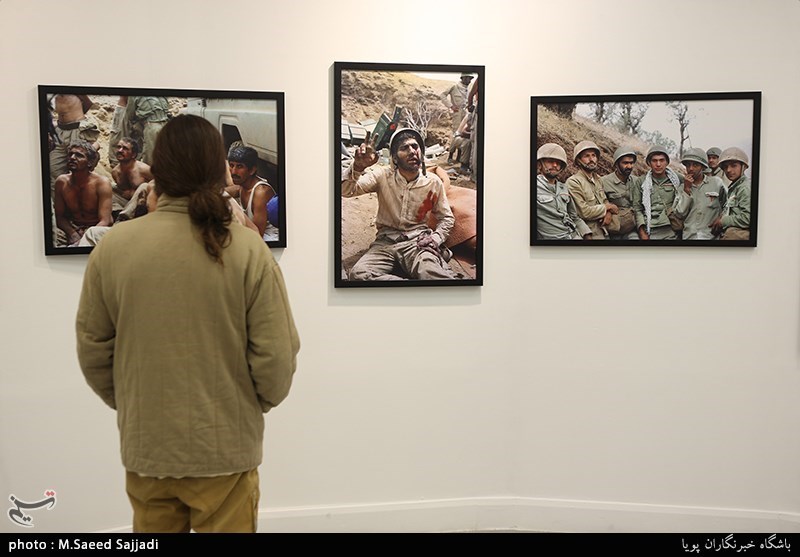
{"x": 91, "y": 152}
{"x": 189, "y": 161}
{"x": 132, "y": 142}
{"x": 245, "y": 155}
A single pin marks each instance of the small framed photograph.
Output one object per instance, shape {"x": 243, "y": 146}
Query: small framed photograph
{"x": 408, "y": 176}
{"x": 97, "y": 144}
{"x": 657, "y": 170}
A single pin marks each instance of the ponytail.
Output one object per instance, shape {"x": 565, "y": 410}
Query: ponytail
{"x": 189, "y": 161}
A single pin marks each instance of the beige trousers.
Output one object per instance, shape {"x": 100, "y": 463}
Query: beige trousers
{"x": 178, "y": 505}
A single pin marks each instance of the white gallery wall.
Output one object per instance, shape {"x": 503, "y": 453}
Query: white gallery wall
{"x": 589, "y": 389}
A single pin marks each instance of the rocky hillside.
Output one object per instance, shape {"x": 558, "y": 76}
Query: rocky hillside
{"x": 368, "y": 94}
{"x": 568, "y": 132}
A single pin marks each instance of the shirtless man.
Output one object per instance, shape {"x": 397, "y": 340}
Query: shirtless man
{"x": 71, "y": 125}
{"x": 82, "y": 197}
{"x": 254, "y": 191}
{"x": 129, "y": 174}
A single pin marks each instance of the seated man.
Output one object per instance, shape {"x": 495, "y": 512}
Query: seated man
{"x": 144, "y": 200}
{"x": 254, "y": 191}
{"x": 82, "y": 197}
{"x": 462, "y": 143}
{"x": 405, "y": 247}
{"x": 137, "y": 206}
{"x": 129, "y": 173}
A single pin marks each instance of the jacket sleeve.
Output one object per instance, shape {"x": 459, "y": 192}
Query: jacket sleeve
{"x": 445, "y": 220}
{"x": 358, "y": 183}
{"x": 273, "y": 342}
{"x": 96, "y": 334}
{"x": 580, "y": 224}
{"x": 739, "y": 209}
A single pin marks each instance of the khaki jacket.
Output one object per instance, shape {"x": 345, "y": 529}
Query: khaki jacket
{"x": 189, "y": 352}
{"x": 590, "y": 199}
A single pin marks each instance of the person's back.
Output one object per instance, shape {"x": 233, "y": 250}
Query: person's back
{"x": 186, "y": 331}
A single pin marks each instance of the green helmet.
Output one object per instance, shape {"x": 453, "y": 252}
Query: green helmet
{"x": 552, "y": 151}
{"x": 623, "y": 152}
{"x": 695, "y": 154}
{"x": 656, "y": 149}
{"x": 584, "y": 146}
{"x": 734, "y": 154}
{"x": 714, "y": 152}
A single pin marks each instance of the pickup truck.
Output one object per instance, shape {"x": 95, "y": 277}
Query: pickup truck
{"x": 253, "y": 122}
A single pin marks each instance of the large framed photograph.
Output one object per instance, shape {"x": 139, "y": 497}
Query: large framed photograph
{"x": 408, "y": 176}
{"x": 664, "y": 169}
{"x": 97, "y": 144}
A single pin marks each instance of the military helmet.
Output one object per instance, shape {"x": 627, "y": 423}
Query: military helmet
{"x": 417, "y": 135}
{"x": 695, "y": 154}
{"x": 734, "y": 154}
{"x": 552, "y": 151}
{"x": 714, "y": 152}
{"x": 656, "y": 149}
{"x": 584, "y": 146}
{"x": 420, "y": 141}
{"x": 623, "y": 152}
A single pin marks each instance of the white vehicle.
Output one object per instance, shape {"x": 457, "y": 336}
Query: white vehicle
{"x": 253, "y": 122}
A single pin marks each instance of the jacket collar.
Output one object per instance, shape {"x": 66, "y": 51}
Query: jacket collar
{"x": 172, "y": 204}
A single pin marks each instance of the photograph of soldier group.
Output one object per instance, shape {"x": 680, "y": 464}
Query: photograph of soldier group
{"x": 99, "y": 150}
{"x": 682, "y": 192}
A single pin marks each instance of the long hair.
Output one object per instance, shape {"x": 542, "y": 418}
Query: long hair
{"x": 189, "y": 161}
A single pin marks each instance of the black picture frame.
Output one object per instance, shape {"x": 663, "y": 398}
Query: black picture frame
{"x": 723, "y": 120}
{"x": 254, "y": 118}
{"x": 380, "y": 98}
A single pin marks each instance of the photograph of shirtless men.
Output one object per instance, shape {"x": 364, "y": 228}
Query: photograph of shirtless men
{"x": 97, "y": 146}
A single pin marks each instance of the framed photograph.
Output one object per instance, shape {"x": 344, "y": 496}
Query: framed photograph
{"x": 665, "y": 169}
{"x": 408, "y": 175}
{"x": 97, "y": 144}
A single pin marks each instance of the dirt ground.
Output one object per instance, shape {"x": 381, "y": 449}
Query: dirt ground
{"x": 358, "y": 227}
{"x": 367, "y": 94}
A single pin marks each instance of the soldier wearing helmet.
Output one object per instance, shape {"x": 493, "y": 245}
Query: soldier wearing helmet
{"x": 701, "y": 199}
{"x": 734, "y": 223}
{"x": 556, "y": 217}
{"x": 586, "y": 190}
{"x": 619, "y": 186}
{"x": 654, "y": 197}
{"x": 713, "y": 163}
{"x": 404, "y": 247}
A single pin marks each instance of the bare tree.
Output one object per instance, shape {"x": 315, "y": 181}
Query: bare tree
{"x": 563, "y": 109}
{"x": 602, "y": 113}
{"x": 631, "y": 116}
{"x": 658, "y": 138}
{"x": 425, "y": 113}
{"x": 680, "y": 111}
